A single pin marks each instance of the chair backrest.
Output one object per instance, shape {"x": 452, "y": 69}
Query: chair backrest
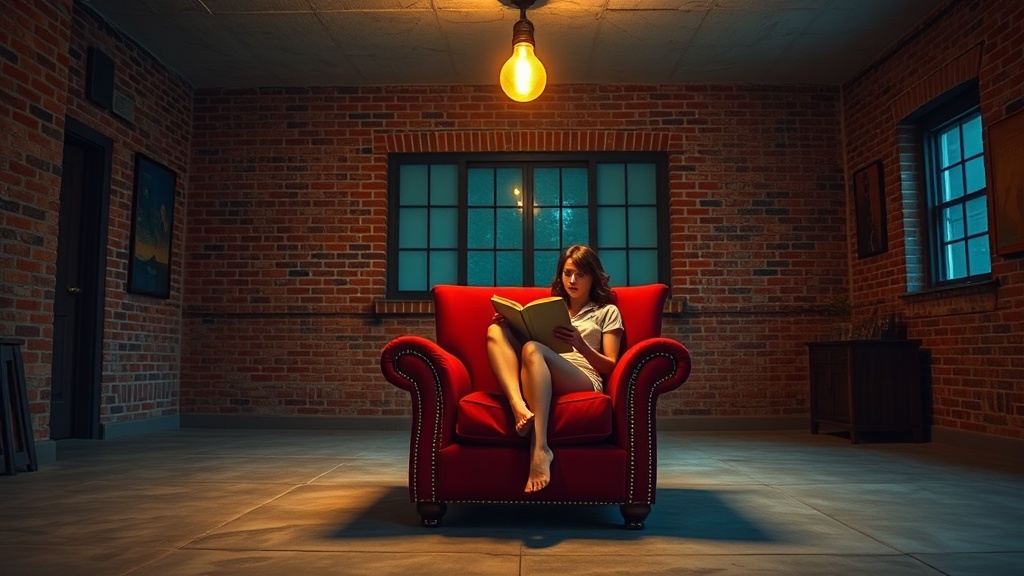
{"x": 462, "y": 314}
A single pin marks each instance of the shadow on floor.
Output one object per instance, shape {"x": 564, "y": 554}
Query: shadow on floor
{"x": 680, "y": 513}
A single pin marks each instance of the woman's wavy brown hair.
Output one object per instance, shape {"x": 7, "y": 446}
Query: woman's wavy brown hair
{"x": 586, "y": 261}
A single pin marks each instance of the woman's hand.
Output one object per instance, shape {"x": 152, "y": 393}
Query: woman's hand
{"x": 604, "y": 360}
{"x": 498, "y": 319}
{"x": 572, "y": 336}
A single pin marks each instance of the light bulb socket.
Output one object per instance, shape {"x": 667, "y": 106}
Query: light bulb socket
{"x": 523, "y": 32}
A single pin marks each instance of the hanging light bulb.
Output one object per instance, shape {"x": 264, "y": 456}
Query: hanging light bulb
{"x": 523, "y": 77}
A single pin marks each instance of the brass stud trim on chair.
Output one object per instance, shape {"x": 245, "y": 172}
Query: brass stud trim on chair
{"x": 415, "y": 473}
{"x": 652, "y": 466}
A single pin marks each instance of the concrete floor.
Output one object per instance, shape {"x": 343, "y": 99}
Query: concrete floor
{"x": 201, "y": 501}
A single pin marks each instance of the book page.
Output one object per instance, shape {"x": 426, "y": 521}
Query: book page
{"x": 512, "y": 311}
{"x": 542, "y": 316}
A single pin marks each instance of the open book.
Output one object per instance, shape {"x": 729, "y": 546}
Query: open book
{"x": 536, "y": 321}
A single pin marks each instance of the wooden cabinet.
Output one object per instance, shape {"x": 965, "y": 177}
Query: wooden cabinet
{"x": 867, "y": 386}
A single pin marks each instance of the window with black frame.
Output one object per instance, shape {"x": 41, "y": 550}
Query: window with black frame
{"x": 503, "y": 220}
{"x": 957, "y": 199}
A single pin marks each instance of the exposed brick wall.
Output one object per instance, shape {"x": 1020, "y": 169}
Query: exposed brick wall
{"x": 43, "y": 49}
{"x": 141, "y": 335}
{"x": 34, "y": 39}
{"x": 287, "y": 232}
{"x": 975, "y": 338}
{"x": 280, "y": 228}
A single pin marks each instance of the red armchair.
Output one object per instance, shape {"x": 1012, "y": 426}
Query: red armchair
{"x": 464, "y": 447}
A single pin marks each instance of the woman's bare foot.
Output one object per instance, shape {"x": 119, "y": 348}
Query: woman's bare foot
{"x": 524, "y": 426}
{"x": 540, "y": 470}
{"x": 524, "y": 420}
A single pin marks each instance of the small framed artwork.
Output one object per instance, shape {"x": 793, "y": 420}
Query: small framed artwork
{"x": 1006, "y": 173}
{"x": 149, "y": 257}
{"x": 869, "y": 203}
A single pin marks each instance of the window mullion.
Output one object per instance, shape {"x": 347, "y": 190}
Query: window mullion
{"x": 592, "y": 207}
{"x": 463, "y": 219}
{"x": 528, "y": 244}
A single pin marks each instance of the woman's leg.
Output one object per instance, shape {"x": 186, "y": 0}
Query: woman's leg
{"x": 545, "y": 373}
{"x": 501, "y": 350}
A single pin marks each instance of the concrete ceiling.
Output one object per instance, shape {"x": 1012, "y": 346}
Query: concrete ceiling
{"x": 253, "y": 43}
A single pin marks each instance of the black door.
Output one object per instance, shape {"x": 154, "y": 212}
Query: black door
{"x": 79, "y": 288}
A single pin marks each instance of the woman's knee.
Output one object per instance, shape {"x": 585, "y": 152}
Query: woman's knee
{"x": 534, "y": 353}
{"x": 496, "y": 334}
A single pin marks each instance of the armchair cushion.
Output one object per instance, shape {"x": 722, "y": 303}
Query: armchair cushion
{"x": 576, "y": 418}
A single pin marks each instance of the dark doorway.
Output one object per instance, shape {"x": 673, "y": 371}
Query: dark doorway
{"x": 79, "y": 291}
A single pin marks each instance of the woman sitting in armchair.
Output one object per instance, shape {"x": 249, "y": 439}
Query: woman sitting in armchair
{"x": 530, "y": 373}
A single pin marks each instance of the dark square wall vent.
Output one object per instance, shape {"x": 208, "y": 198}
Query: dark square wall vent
{"x": 99, "y": 78}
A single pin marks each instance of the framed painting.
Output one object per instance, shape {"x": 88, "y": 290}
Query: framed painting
{"x": 1006, "y": 174}
{"x": 149, "y": 250}
{"x": 869, "y": 204}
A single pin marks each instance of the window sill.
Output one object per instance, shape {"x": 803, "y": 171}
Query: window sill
{"x": 973, "y": 298}
{"x": 673, "y": 307}
{"x": 403, "y": 308}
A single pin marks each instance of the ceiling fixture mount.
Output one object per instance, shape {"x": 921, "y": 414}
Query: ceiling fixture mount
{"x": 523, "y": 77}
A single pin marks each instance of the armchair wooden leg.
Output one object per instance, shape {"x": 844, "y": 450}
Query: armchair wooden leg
{"x": 431, "y": 512}
{"x": 635, "y": 515}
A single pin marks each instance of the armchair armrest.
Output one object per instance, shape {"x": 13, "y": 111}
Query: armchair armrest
{"x": 649, "y": 369}
{"x": 433, "y": 377}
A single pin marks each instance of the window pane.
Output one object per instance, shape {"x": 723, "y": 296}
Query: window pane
{"x": 509, "y": 180}
{"x": 615, "y": 266}
{"x": 949, "y": 143}
{"x": 643, "y": 229}
{"x": 574, "y": 186}
{"x": 412, "y": 270}
{"x": 980, "y": 259}
{"x": 480, "y": 268}
{"x": 958, "y": 203}
{"x": 465, "y": 223}
{"x": 544, "y": 262}
{"x": 952, "y": 183}
{"x": 975, "y": 170}
{"x": 972, "y": 137}
{"x": 444, "y": 267}
{"x": 510, "y": 268}
{"x": 575, "y": 227}
{"x": 510, "y": 228}
{"x": 956, "y": 261}
{"x": 611, "y": 227}
{"x": 444, "y": 184}
{"x": 953, "y": 223}
{"x": 643, "y": 267}
{"x": 546, "y": 187}
{"x": 977, "y": 216}
{"x": 480, "y": 183}
{"x": 642, "y": 184}
{"x": 611, "y": 184}
{"x": 480, "y": 222}
{"x": 412, "y": 185}
{"x": 444, "y": 227}
{"x": 413, "y": 228}
{"x": 546, "y": 227}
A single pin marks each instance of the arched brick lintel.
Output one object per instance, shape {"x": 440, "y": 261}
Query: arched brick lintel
{"x": 961, "y": 69}
{"x": 528, "y": 141}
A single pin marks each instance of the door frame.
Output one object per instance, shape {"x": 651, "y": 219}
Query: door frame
{"x": 95, "y": 224}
